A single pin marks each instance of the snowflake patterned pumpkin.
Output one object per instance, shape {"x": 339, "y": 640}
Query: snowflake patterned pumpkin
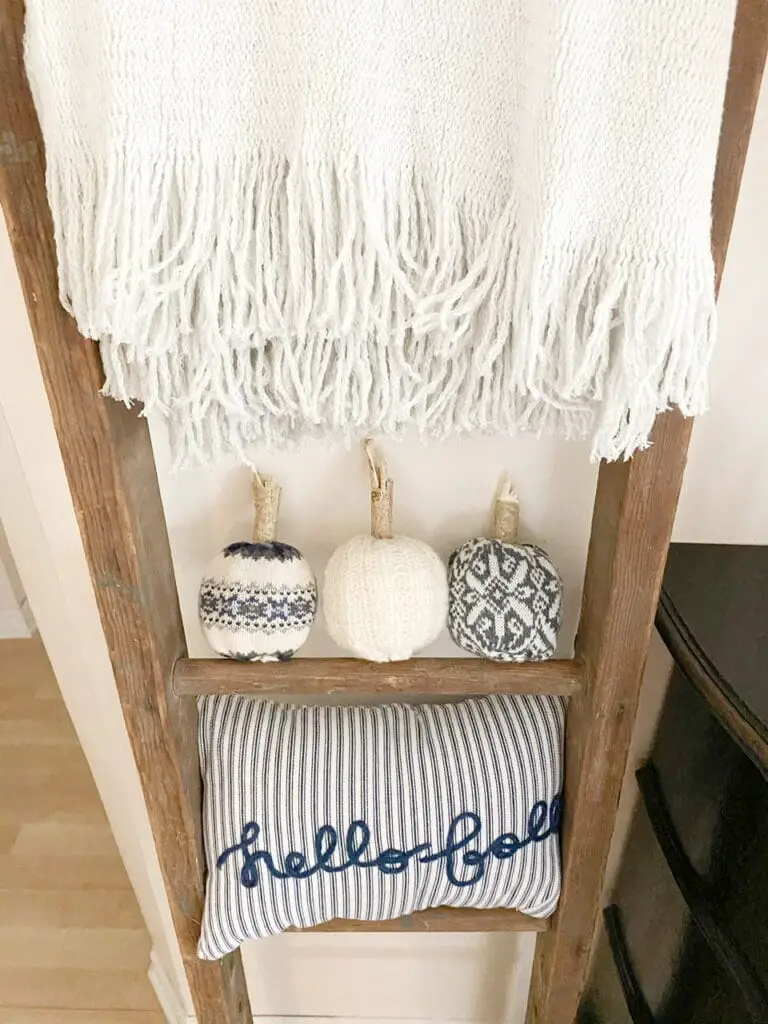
{"x": 258, "y": 599}
{"x": 505, "y": 600}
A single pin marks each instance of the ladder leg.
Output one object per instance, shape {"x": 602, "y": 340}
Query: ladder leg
{"x": 634, "y": 512}
{"x": 631, "y": 526}
{"x": 110, "y": 468}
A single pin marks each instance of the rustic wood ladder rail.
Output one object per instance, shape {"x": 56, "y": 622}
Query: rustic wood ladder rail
{"x": 110, "y": 468}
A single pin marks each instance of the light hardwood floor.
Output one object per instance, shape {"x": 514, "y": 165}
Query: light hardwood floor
{"x": 73, "y": 947}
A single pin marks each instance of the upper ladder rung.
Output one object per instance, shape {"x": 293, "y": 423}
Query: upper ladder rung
{"x": 422, "y": 677}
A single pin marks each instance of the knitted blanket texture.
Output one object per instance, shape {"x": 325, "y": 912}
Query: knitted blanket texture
{"x": 299, "y": 218}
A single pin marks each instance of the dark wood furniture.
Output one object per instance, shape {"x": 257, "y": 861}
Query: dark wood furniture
{"x": 686, "y": 936}
{"x": 713, "y": 616}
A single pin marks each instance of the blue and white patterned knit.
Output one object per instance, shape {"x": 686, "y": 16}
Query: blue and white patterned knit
{"x": 257, "y": 602}
{"x": 372, "y": 813}
{"x": 505, "y": 601}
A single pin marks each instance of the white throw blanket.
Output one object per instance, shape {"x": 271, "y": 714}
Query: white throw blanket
{"x": 294, "y": 218}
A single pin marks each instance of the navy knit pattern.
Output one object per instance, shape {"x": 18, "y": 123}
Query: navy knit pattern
{"x": 270, "y": 609}
{"x": 505, "y": 601}
{"x": 271, "y": 551}
{"x": 371, "y": 813}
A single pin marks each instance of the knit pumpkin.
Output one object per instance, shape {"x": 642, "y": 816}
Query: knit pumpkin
{"x": 384, "y": 597}
{"x": 505, "y": 599}
{"x": 258, "y": 599}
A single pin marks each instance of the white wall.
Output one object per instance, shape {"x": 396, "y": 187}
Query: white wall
{"x": 442, "y": 494}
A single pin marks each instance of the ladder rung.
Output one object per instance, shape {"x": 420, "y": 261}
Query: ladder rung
{"x": 443, "y": 919}
{"x": 443, "y": 677}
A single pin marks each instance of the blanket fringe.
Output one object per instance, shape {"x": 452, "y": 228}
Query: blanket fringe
{"x": 255, "y": 303}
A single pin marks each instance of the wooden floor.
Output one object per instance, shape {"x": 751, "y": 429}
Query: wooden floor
{"x": 73, "y": 947}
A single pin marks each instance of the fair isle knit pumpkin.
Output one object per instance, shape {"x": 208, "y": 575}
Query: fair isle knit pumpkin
{"x": 505, "y": 599}
{"x": 384, "y": 597}
{"x": 258, "y": 599}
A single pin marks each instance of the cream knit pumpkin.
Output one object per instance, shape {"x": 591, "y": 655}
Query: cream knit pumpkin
{"x": 384, "y": 598}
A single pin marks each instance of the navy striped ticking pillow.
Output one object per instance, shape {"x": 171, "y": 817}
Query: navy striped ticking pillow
{"x": 312, "y": 813}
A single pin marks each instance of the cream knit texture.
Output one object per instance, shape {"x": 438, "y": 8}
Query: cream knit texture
{"x": 336, "y": 218}
{"x": 384, "y": 599}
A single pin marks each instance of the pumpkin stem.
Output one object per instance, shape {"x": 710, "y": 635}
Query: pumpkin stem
{"x": 266, "y": 506}
{"x": 381, "y": 493}
{"x": 506, "y": 512}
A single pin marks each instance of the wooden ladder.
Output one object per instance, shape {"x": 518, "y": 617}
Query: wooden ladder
{"x": 110, "y": 468}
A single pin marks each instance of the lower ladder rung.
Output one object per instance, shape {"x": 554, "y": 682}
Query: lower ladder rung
{"x": 440, "y": 677}
{"x": 443, "y": 919}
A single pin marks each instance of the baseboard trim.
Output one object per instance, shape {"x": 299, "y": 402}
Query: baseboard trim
{"x": 17, "y": 623}
{"x": 166, "y": 993}
{"x": 174, "y": 1012}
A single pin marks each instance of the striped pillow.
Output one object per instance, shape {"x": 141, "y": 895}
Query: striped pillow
{"x": 312, "y": 813}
